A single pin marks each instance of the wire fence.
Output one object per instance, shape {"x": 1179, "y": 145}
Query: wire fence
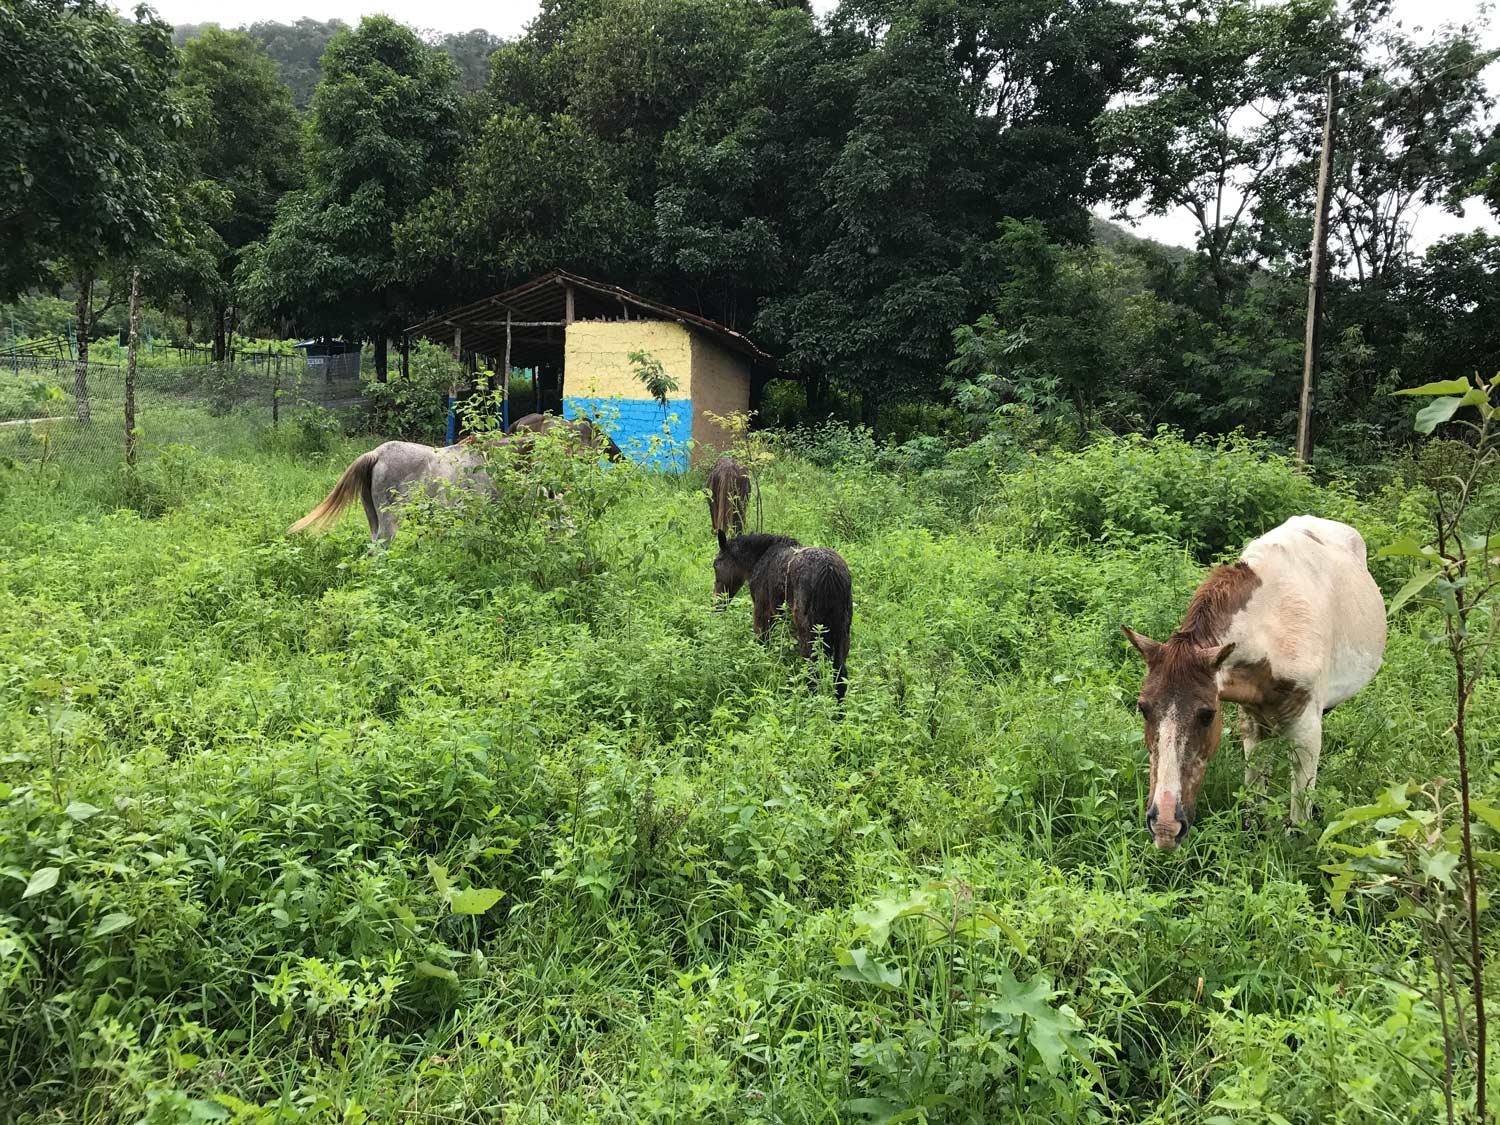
{"x": 51, "y": 411}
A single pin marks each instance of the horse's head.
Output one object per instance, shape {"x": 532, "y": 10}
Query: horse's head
{"x": 730, "y": 573}
{"x": 1179, "y": 703}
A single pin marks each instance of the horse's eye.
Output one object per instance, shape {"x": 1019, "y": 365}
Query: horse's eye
{"x": 1205, "y": 716}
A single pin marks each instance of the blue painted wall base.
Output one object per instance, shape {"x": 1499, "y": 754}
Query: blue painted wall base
{"x": 649, "y": 436}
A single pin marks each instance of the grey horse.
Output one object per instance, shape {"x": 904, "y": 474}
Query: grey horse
{"x": 388, "y": 475}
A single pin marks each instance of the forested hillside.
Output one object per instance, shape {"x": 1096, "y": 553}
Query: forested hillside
{"x": 895, "y": 200}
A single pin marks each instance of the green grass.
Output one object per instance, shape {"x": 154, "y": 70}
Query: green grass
{"x": 255, "y": 762}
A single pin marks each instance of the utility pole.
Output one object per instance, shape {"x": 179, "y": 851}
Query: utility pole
{"x": 1316, "y": 273}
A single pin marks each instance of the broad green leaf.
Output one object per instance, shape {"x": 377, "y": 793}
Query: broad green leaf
{"x": 1435, "y": 413}
{"x": 1439, "y": 866}
{"x": 1413, "y": 586}
{"x": 81, "y": 811}
{"x": 1442, "y": 387}
{"x": 112, "y": 922}
{"x": 1393, "y": 800}
{"x": 1406, "y": 548}
{"x": 856, "y": 964}
{"x": 428, "y": 969}
{"x": 884, "y": 911}
{"x": 1050, "y": 1030}
{"x": 1486, "y": 812}
{"x": 475, "y": 900}
{"x": 439, "y": 875}
{"x": 1343, "y": 879}
{"x": 42, "y": 879}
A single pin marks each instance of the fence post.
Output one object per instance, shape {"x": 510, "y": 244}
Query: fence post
{"x": 135, "y": 325}
{"x": 276, "y": 397}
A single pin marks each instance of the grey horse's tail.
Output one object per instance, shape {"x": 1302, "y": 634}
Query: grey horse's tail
{"x": 354, "y": 482}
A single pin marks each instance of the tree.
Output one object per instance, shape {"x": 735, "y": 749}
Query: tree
{"x": 1212, "y": 122}
{"x": 531, "y": 193}
{"x": 958, "y": 115}
{"x": 296, "y": 49}
{"x": 91, "y": 124}
{"x": 242, "y": 137}
{"x": 384, "y": 132}
{"x": 86, "y": 112}
{"x": 1410, "y": 133}
{"x": 470, "y": 52}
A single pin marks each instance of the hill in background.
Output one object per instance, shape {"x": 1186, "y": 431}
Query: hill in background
{"x": 296, "y": 48}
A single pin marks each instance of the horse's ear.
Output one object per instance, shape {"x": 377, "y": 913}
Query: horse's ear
{"x": 723, "y": 539}
{"x": 1217, "y": 656}
{"x": 1143, "y": 644}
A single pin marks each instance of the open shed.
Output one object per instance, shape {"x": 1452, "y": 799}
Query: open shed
{"x": 579, "y": 336}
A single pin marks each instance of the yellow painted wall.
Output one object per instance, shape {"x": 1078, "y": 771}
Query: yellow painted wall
{"x": 721, "y": 385}
{"x": 596, "y": 357}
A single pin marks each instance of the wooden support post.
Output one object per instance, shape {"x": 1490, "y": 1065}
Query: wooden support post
{"x": 568, "y": 315}
{"x": 405, "y": 356}
{"x": 133, "y": 347}
{"x": 505, "y": 381}
{"x": 1315, "y": 279}
{"x": 458, "y": 357}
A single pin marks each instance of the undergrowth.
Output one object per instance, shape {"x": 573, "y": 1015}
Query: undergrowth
{"x": 290, "y": 832}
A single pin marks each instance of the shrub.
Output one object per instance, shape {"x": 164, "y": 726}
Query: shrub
{"x": 1210, "y": 495}
{"x": 414, "y": 407}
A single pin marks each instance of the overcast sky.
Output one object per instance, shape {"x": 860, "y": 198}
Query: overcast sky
{"x": 509, "y": 17}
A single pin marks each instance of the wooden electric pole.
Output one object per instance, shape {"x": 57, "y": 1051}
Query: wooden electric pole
{"x": 1315, "y": 280}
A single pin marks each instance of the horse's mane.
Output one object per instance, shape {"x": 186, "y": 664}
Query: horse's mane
{"x": 759, "y": 542}
{"x": 1220, "y": 596}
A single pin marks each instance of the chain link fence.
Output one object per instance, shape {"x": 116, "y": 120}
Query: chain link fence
{"x": 53, "y": 411}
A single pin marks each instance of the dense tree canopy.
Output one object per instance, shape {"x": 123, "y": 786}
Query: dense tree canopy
{"x": 383, "y": 129}
{"x": 88, "y": 116}
{"x": 894, "y": 198}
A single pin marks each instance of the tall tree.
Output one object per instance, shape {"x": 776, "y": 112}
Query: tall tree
{"x": 296, "y": 49}
{"x": 90, "y": 123}
{"x": 1212, "y": 122}
{"x": 1411, "y": 128}
{"x": 384, "y": 132}
{"x": 243, "y": 136}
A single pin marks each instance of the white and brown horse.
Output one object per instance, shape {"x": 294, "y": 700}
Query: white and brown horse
{"x": 1293, "y": 628}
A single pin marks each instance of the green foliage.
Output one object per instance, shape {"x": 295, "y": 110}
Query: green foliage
{"x": 414, "y": 407}
{"x": 653, "y": 377}
{"x": 90, "y": 123}
{"x": 384, "y": 120}
{"x": 508, "y": 814}
{"x": 1210, "y": 495}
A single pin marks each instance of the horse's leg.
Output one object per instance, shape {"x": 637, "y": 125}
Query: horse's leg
{"x": 1306, "y": 733}
{"x": 1256, "y": 774}
{"x": 762, "y": 618}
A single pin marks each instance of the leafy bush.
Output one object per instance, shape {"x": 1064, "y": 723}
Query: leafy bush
{"x": 1211, "y": 495}
{"x": 414, "y": 408}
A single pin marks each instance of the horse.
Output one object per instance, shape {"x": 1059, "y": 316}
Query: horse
{"x": 814, "y": 581}
{"x": 582, "y": 430}
{"x": 728, "y": 496}
{"x": 1290, "y": 630}
{"x": 389, "y": 473}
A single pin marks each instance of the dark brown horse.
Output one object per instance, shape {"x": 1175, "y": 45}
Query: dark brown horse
{"x": 813, "y": 581}
{"x": 728, "y": 496}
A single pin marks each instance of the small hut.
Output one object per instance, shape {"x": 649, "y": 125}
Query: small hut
{"x": 579, "y": 336}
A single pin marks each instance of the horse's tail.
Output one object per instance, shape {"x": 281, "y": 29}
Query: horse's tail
{"x": 354, "y": 482}
{"x": 832, "y": 598}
